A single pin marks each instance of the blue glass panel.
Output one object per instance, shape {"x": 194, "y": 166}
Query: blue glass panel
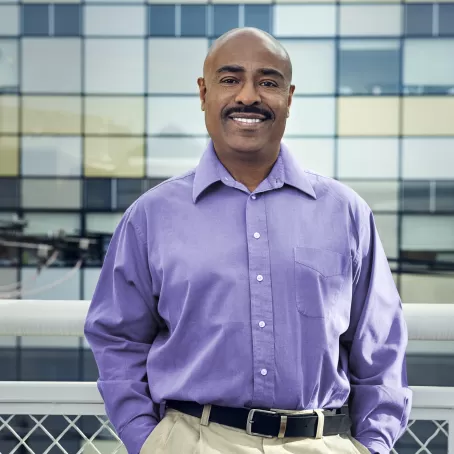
{"x": 258, "y": 16}
{"x": 444, "y": 196}
{"x": 225, "y": 18}
{"x": 98, "y": 193}
{"x": 418, "y": 20}
{"x": 67, "y": 20}
{"x": 193, "y": 20}
{"x": 369, "y": 71}
{"x": 416, "y": 196}
{"x": 446, "y": 21}
{"x": 161, "y": 20}
{"x": 35, "y": 20}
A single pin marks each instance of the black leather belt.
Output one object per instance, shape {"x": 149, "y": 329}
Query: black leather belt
{"x": 268, "y": 424}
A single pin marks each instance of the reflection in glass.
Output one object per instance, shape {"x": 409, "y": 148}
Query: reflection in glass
{"x": 444, "y": 196}
{"x": 418, "y": 19}
{"x": 369, "y": 67}
{"x": 9, "y": 76}
{"x": 416, "y": 196}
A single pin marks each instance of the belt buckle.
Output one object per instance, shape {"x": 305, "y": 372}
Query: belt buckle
{"x": 250, "y": 421}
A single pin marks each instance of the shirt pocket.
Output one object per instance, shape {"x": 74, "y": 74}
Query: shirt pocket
{"x": 320, "y": 275}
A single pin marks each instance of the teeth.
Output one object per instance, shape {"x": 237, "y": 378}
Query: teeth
{"x": 248, "y": 120}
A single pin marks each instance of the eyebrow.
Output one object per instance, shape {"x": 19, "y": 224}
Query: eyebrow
{"x": 242, "y": 69}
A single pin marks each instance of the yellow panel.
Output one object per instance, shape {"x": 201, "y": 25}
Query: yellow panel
{"x": 368, "y": 116}
{"x": 51, "y": 114}
{"x": 9, "y": 115}
{"x": 417, "y": 288}
{"x": 120, "y": 115}
{"x": 9, "y": 156}
{"x": 429, "y": 116}
{"x": 114, "y": 156}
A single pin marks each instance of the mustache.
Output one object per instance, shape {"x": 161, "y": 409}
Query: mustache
{"x": 248, "y": 110}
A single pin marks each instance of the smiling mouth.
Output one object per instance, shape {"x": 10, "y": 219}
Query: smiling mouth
{"x": 247, "y": 120}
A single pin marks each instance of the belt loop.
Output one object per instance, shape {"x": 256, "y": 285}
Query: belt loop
{"x": 320, "y": 423}
{"x": 205, "y": 420}
{"x": 283, "y": 427}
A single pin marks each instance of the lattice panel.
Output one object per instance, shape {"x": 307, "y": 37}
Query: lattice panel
{"x": 22, "y": 434}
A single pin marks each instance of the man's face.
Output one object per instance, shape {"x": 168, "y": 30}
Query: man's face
{"x": 246, "y": 95}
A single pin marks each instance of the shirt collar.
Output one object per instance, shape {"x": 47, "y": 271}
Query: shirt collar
{"x": 286, "y": 170}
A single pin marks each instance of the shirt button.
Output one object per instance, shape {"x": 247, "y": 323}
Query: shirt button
{"x": 262, "y": 324}
{"x": 257, "y": 235}
{"x": 253, "y": 196}
{"x": 263, "y": 371}
{"x": 260, "y": 278}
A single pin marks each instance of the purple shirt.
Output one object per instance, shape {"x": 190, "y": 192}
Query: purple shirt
{"x": 280, "y": 298}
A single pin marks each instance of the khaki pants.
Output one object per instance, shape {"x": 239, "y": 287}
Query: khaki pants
{"x": 178, "y": 433}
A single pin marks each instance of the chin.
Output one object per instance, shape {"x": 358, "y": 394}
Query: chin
{"x": 246, "y": 144}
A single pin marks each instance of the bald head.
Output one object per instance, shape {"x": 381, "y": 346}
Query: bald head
{"x": 244, "y": 37}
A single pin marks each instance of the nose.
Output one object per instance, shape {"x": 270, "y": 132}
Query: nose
{"x": 248, "y": 95}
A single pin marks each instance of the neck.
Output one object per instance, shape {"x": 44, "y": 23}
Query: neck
{"x": 249, "y": 169}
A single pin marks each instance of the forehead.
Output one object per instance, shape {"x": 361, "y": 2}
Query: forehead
{"x": 249, "y": 52}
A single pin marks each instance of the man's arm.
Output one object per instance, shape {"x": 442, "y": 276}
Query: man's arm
{"x": 120, "y": 327}
{"x": 380, "y": 399}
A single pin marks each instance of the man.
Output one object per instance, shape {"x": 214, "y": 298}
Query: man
{"x": 246, "y": 285}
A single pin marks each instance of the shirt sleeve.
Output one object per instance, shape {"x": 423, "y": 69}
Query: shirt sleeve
{"x": 120, "y": 327}
{"x": 380, "y": 400}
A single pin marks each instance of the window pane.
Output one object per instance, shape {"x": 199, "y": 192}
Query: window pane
{"x": 431, "y": 116}
{"x": 444, "y": 196}
{"x": 69, "y": 289}
{"x": 169, "y": 115}
{"x": 103, "y": 222}
{"x": 368, "y": 158}
{"x": 51, "y": 65}
{"x": 122, "y": 20}
{"x": 51, "y": 115}
{"x": 9, "y": 75}
{"x": 311, "y": 117}
{"x": 313, "y": 65}
{"x": 128, "y": 190}
{"x": 114, "y": 156}
{"x": 67, "y": 20}
{"x": 417, "y": 288}
{"x": 42, "y": 223}
{"x": 120, "y": 115}
{"x": 313, "y": 154}
{"x": 161, "y": 20}
{"x": 369, "y": 67}
{"x": 9, "y": 189}
{"x": 193, "y": 20}
{"x": 165, "y": 74}
{"x": 57, "y": 156}
{"x": 258, "y": 16}
{"x": 380, "y": 196}
{"x": 51, "y": 193}
{"x": 115, "y": 66}
{"x": 91, "y": 277}
{"x": 9, "y": 156}
{"x": 427, "y": 233}
{"x": 446, "y": 20}
{"x": 98, "y": 193}
{"x": 418, "y": 19}
{"x": 428, "y": 158}
{"x": 373, "y": 20}
{"x": 387, "y": 230}
{"x": 428, "y": 68}
{"x": 225, "y": 17}
{"x": 169, "y": 156}
{"x": 9, "y": 114}
{"x": 304, "y": 20}
{"x": 368, "y": 116}
{"x": 35, "y": 20}
{"x": 416, "y": 196}
{"x": 9, "y": 20}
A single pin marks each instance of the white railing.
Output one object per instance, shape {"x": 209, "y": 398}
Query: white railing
{"x": 27, "y": 408}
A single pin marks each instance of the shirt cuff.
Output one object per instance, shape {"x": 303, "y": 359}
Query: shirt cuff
{"x": 136, "y": 432}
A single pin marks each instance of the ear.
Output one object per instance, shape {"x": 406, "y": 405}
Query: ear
{"x": 202, "y": 91}
{"x": 290, "y": 98}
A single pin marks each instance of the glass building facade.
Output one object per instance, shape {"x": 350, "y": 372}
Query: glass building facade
{"x": 99, "y": 102}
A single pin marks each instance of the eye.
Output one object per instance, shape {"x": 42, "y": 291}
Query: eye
{"x": 228, "y": 80}
{"x": 268, "y": 83}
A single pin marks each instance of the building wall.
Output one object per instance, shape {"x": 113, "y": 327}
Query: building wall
{"x": 99, "y": 102}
